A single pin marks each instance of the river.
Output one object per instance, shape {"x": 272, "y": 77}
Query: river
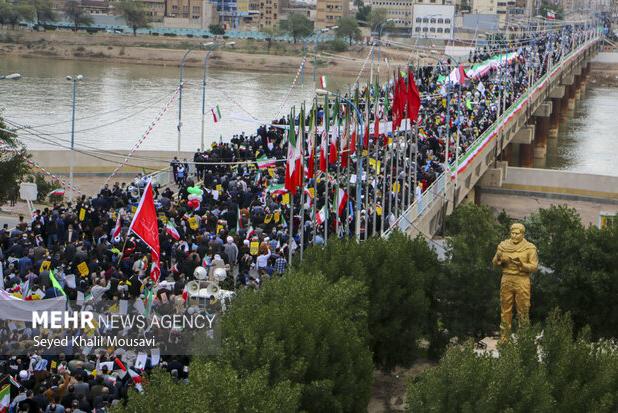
{"x": 587, "y": 139}
{"x": 116, "y": 103}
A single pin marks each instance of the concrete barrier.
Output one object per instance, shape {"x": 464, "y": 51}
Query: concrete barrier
{"x": 561, "y": 182}
{"x": 104, "y": 162}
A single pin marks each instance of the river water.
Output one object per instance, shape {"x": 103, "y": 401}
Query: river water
{"x": 116, "y": 103}
{"x": 588, "y": 139}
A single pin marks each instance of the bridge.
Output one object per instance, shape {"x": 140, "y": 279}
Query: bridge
{"x": 518, "y": 137}
{"x": 524, "y": 190}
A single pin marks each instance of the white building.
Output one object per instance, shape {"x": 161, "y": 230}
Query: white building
{"x": 435, "y": 21}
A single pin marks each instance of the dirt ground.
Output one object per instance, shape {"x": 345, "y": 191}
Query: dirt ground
{"x": 388, "y": 393}
{"x": 250, "y": 55}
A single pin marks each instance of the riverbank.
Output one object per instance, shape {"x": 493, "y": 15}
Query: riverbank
{"x": 246, "y": 54}
{"x": 604, "y": 69}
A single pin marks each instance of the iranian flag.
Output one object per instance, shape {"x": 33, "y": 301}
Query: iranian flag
{"x": 171, "y": 230}
{"x": 312, "y": 131}
{"x": 458, "y": 75}
{"x": 264, "y": 163}
{"x": 117, "y": 230}
{"x": 342, "y": 200}
{"x": 323, "y": 83}
{"x": 216, "y": 113}
{"x": 294, "y": 164}
{"x": 320, "y": 216}
{"x": 137, "y": 380}
{"x": 145, "y": 226}
{"x": 5, "y": 398}
{"x": 57, "y": 192}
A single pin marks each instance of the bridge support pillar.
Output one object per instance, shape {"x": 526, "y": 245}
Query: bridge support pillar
{"x": 554, "y": 119}
{"x": 571, "y": 98}
{"x": 507, "y": 153}
{"x": 526, "y": 155}
{"x": 540, "y": 138}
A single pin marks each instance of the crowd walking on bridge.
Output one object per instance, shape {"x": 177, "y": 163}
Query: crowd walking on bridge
{"x": 342, "y": 166}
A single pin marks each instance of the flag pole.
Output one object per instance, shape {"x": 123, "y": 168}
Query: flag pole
{"x": 312, "y": 154}
{"x": 326, "y": 156}
{"x": 336, "y": 189}
{"x": 291, "y": 196}
{"x": 301, "y": 127}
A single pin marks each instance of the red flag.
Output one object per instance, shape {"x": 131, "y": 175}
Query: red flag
{"x": 414, "y": 98}
{"x": 311, "y": 163}
{"x": 119, "y": 364}
{"x": 332, "y": 149}
{"x": 145, "y": 226}
{"x": 323, "y": 143}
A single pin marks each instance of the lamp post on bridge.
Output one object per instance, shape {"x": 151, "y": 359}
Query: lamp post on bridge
{"x": 74, "y": 79}
{"x": 180, "y": 88}
{"x": 210, "y": 46}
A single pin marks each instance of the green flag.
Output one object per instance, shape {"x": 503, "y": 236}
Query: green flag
{"x": 55, "y": 283}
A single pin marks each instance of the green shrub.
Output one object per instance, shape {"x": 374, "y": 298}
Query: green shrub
{"x": 537, "y": 372}
{"x": 400, "y": 275}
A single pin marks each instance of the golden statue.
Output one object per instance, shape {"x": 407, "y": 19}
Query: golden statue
{"x": 518, "y": 259}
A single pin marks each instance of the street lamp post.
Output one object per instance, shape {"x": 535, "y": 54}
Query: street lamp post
{"x": 212, "y": 46}
{"x": 74, "y": 79}
{"x": 180, "y": 88}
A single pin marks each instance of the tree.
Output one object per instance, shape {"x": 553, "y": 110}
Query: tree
{"x": 400, "y": 275}
{"x": 348, "y": 27}
{"x": 13, "y": 163}
{"x": 362, "y": 15}
{"x": 216, "y": 29}
{"x": 580, "y": 274}
{"x": 212, "y": 388}
{"x": 74, "y": 12}
{"x": 551, "y": 372}
{"x": 134, "y": 13}
{"x": 376, "y": 17}
{"x": 469, "y": 291}
{"x": 43, "y": 11}
{"x": 297, "y": 26}
{"x": 305, "y": 331}
{"x": 12, "y": 13}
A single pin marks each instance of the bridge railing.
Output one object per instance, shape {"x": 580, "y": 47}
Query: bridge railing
{"x": 438, "y": 190}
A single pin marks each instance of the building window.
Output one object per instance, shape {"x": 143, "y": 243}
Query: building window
{"x": 447, "y": 21}
{"x": 425, "y": 20}
{"x": 433, "y": 30}
{"x": 433, "y": 21}
{"x": 447, "y": 30}
{"x": 425, "y": 29}
{"x": 440, "y": 20}
{"x": 440, "y": 30}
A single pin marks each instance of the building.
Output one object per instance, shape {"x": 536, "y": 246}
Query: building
{"x": 270, "y": 13}
{"x": 484, "y": 7}
{"x": 328, "y": 12}
{"x": 434, "y": 21}
{"x": 155, "y": 9}
{"x": 96, "y": 7}
{"x": 399, "y": 10}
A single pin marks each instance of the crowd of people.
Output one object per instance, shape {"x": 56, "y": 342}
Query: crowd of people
{"x": 244, "y": 221}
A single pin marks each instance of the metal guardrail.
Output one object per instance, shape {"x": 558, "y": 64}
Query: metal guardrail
{"x": 438, "y": 189}
{"x": 162, "y": 177}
